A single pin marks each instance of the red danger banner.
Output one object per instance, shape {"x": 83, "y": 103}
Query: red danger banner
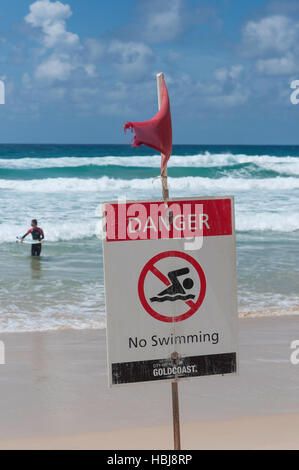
{"x": 150, "y": 220}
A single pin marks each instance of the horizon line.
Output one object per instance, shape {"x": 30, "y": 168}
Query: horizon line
{"x": 129, "y": 145}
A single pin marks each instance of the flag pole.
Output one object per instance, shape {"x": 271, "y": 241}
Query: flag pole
{"x": 165, "y": 191}
{"x": 174, "y": 356}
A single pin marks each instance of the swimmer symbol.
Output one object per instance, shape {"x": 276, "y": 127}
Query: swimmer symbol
{"x": 176, "y": 291}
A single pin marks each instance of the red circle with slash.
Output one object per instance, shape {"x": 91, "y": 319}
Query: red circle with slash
{"x": 150, "y": 267}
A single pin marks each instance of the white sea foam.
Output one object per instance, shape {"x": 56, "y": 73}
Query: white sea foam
{"x": 54, "y": 231}
{"x": 72, "y": 229}
{"x": 267, "y": 221}
{"x": 287, "y": 164}
{"x": 66, "y": 209}
{"x": 261, "y": 204}
{"x": 82, "y": 307}
{"x": 108, "y": 185}
{"x": 46, "y": 321}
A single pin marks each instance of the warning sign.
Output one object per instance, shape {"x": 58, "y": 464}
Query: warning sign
{"x": 170, "y": 285}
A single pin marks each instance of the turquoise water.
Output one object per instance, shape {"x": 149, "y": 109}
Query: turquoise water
{"x": 63, "y": 185}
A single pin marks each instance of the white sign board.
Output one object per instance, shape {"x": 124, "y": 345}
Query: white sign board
{"x": 170, "y": 285}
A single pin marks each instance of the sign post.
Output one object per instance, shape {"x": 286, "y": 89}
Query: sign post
{"x": 171, "y": 296}
{"x": 174, "y": 385}
{"x": 176, "y": 415}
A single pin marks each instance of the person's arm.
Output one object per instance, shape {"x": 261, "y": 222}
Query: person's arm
{"x": 42, "y": 234}
{"x": 27, "y": 233}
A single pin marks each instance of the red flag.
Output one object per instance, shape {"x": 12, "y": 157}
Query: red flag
{"x": 157, "y": 132}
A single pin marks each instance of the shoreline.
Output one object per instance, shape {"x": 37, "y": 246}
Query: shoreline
{"x": 54, "y": 394}
{"x": 254, "y": 315}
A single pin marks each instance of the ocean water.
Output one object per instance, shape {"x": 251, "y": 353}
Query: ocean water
{"x": 63, "y": 185}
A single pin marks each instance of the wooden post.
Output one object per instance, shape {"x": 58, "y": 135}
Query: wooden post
{"x": 176, "y": 415}
{"x": 175, "y": 406}
{"x": 174, "y": 356}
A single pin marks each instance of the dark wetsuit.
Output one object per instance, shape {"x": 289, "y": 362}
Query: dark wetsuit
{"x": 37, "y": 234}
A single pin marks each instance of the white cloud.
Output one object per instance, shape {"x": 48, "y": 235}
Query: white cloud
{"x": 130, "y": 58}
{"x": 62, "y": 51}
{"x": 91, "y": 70}
{"x": 277, "y": 66}
{"x": 65, "y": 64}
{"x": 273, "y": 41}
{"x": 44, "y": 12}
{"x": 165, "y": 25}
{"x": 55, "y": 68}
{"x": 236, "y": 71}
{"x": 228, "y": 89}
{"x": 50, "y": 18}
{"x": 272, "y": 33}
{"x": 236, "y": 97}
{"x": 95, "y": 48}
{"x": 85, "y": 97}
{"x": 222, "y": 74}
{"x": 26, "y": 81}
{"x": 162, "y": 20}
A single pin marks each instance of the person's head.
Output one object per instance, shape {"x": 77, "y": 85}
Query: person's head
{"x": 33, "y": 223}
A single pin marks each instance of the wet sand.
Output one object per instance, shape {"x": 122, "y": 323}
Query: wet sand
{"x": 251, "y": 433}
{"x": 54, "y": 394}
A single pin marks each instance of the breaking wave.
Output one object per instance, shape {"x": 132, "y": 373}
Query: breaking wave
{"x": 289, "y": 165}
{"x": 110, "y": 185}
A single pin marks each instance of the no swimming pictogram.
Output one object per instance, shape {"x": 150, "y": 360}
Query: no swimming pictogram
{"x": 172, "y": 286}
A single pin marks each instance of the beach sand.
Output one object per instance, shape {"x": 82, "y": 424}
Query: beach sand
{"x": 54, "y": 395}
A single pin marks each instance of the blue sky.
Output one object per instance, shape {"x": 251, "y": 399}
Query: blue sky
{"x": 75, "y": 71}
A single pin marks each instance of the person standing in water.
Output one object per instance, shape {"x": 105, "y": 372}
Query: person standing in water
{"x": 37, "y": 233}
